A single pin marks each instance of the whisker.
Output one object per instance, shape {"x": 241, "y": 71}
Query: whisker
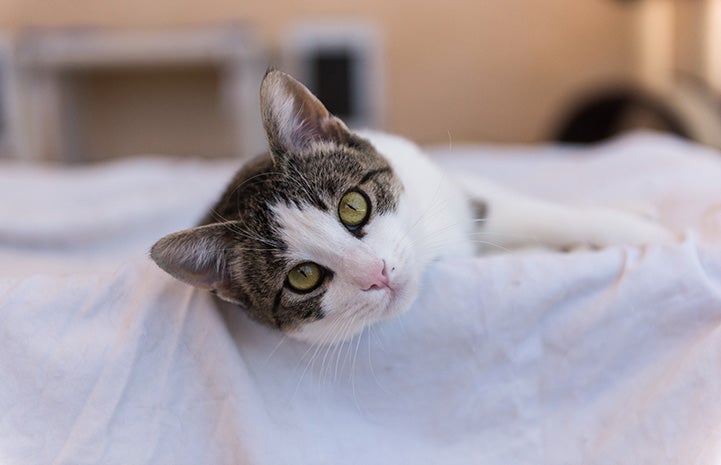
{"x": 346, "y": 332}
{"x": 307, "y": 365}
{"x": 334, "y": 338}
{"x": 371, "y": 332}
{"x": 353, "y": 370}
{"x": 492, "y": 244}
{"x": 277, "y": 346}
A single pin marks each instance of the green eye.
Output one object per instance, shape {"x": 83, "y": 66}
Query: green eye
{"x": 305, "y": 277}
{"x": 353, "y": 209}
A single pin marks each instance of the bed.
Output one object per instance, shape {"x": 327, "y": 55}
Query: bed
{"x": 590, "y": 357}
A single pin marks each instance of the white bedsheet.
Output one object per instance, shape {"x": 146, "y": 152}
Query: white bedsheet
{"x": 608, "y": 357}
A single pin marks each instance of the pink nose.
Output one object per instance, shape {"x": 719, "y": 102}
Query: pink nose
{"x": 375, "y": 277}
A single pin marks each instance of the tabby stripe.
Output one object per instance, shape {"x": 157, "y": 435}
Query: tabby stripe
{"x": 372, "y": 173}
{"x": 274, "y": 313}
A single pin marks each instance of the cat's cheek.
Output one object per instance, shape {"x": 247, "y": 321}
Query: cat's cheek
{"x": 348, "y": 311}
{"x": 405, "y": 294}
{"x": 342, "y": 320}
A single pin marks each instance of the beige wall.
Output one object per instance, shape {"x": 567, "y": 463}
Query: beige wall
{"x": 498, "y": 70}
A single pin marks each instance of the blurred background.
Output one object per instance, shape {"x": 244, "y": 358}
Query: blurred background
{"x": 88, "y": 80}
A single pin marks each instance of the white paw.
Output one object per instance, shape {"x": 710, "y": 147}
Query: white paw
{"x": 642, "y": 209}
{"x": 614, "y": 227}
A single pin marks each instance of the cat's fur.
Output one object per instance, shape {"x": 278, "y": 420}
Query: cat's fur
{"x": 281, "y": 209}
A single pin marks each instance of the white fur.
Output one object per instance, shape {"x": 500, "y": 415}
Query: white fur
{"x": 433, "y": 220}
{"x": 513, "y": 220}
{"x": 315, "y": 235}
{"x": 439, "y": 210}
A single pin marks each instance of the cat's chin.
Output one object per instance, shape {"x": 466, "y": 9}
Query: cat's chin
{"x": 337, "y": 328}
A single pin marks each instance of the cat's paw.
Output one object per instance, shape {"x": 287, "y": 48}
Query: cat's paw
{"x": 643, "y": 209}
{"x": 613, "y": 227}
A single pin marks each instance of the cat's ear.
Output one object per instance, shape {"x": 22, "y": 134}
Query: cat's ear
{"x": 294, "y": 118}
{"x": 196, "y": 256}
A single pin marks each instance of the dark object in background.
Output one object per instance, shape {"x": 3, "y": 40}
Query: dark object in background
{"x": 334, "y": 81}
{"x": 609, "y": 113}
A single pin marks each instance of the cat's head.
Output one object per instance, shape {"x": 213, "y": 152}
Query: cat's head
{"x": 312, "y": 238}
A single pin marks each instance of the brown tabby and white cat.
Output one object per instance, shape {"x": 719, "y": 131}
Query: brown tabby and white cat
{"x": 333, "y": 229}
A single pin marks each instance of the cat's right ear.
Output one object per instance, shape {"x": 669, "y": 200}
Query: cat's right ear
{"x": 197, "y": 256}
{"x": 294, "y": 118}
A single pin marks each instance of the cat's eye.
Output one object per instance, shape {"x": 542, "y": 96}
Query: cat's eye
{"x": 353, "y": 209}
{"x": 305, "y": 277}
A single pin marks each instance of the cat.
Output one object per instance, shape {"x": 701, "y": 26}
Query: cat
{"x": 331, "y": 230}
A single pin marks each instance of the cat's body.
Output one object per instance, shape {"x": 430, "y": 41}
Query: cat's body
{"x": 332, "y": 230}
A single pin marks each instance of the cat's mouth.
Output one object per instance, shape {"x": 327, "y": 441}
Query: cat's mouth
{"x": 398, "y": 296}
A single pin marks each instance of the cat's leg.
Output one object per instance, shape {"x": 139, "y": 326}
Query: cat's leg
{"x": 513, "y": 220}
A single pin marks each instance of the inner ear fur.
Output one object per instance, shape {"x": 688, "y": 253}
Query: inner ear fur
{"x": 294, "y": 118}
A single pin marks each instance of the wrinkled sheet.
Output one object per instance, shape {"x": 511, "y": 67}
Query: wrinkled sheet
{"x": 590, "y": 357}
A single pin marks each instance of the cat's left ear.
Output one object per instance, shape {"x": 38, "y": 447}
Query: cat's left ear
{"x": 197, "y": 256}
{"x": 294, "y": 118}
